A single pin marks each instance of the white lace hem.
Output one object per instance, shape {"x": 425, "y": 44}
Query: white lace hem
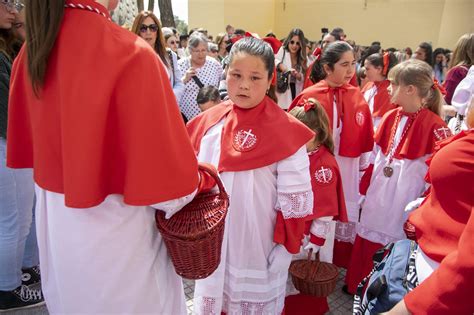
{"x": 208, "y": 306}
{"x": 374, "y": 236}
{"x": 345, "y": 231}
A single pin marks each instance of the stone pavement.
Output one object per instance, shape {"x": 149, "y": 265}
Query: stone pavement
{"x": 339, "y": 303}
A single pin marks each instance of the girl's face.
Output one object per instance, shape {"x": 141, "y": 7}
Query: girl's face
{"x": 7, "y": 16}
{"x": 294, "y": 45}
{"x": 247, "y": 80}
{"x": 374, "y": 74}
{"x": 148, "y": 31}
{"x": 343, "y": 70}
{"x": 400, "y": 93}
{"x": 172, "y": 42}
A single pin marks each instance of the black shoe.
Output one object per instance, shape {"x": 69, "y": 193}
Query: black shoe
{"x": 21, "y": 297}
{"x": 345, "y": 289}
{"x": 30, "y": 275}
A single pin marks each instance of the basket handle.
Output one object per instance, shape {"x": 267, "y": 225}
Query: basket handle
{"x": 314, "y": 269}
{"x": 211, "y": 171}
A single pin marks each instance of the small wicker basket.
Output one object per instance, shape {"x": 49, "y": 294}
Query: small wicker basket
{"x": 193, "y": 236}
{"x": 313, "y": 277}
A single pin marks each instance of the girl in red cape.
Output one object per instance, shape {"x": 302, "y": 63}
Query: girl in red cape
{"x": 404, "y": 140}
{"x": 376, "y": 92}
{"x": 352, "y": 131}
{"x": 260, "y": 152}
{"x": 444, "y": 226}
{"x": 92, "y": 112}
{"x": 328, "y": 200}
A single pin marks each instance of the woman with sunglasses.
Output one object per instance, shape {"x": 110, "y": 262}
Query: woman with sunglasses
{"x": 292, "y": 57}
{"x": 148, "y": 27}
{"x": 16, "y": 187}
{"x": 171, "y": 41}
{"x": 103, "y": 133}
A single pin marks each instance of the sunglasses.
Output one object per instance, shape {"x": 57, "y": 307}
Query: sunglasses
{"x": 12, "y": 5}
{"x": 292, "y": 42}
{"x": 174, "y": 42}
{"x": 152, "y": 27}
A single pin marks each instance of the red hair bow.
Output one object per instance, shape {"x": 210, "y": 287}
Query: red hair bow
{"x": 307, "y": 105}
{"x": 438, "y": 86}
{"x": 385, "y": 62}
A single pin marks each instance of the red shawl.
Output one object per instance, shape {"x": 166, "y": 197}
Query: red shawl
{"x": 106, "y": 121}
{"x": 251, "y": 138}
{"x": 357, "y": 129}
{"x": 382, "y": 103}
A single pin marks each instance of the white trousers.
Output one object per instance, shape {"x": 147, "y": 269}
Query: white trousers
{"x": 108, "y": 259}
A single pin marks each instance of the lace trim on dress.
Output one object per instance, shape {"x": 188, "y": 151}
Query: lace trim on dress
{"x": 321, "y": 228}
{"x": 345, "y": 231}
{"x": 296, "y": 204}
{"x": 374, "y": 236}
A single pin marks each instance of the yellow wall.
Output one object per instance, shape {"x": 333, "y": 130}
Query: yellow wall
{"x": 396, "y": 23}
{"x": 256, "y": 16}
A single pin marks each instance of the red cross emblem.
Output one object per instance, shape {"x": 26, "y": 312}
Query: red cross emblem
{"x": 360, "y": 118}
{"x": 244, "y": 140}
{"x": 324, "y": 175}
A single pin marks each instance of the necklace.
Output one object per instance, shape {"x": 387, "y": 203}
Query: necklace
{"x": 388, "y": 169}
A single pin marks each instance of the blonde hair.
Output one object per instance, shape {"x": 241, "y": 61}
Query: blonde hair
{"x": 464, "y": 52}
{"x": 317, "y": 120}
{"x": 419, "y": 74}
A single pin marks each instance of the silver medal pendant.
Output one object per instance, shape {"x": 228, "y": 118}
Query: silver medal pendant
{"x": 388, "y": 171}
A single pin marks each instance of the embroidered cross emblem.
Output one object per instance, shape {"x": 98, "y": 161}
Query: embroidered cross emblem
{"x": 324, "y": 175}
{"x": 360, "y": 118}
{"x": 244, "y": 140}
{"x": 442, "y": 133}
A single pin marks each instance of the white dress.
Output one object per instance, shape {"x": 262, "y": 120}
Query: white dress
{"x": 242, "y": 284}
{"x": 84, "y": 254}
{"x": 369, "y": 96}
{"x": 382, "y": 215}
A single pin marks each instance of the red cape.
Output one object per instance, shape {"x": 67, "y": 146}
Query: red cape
{"x": 357, "y": 129}
{"x": 251, "y": 138}
{"x": 420, "y": 140}
{"x": 327, "y": 186}
{"x": 106, "y": 121}
{"x": 382, "y": 103}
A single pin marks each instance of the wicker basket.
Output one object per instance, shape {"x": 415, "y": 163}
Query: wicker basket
{"x": 313, "y": 277}
{"x": 193, "y": 236}
{"x": 409, "y": 230}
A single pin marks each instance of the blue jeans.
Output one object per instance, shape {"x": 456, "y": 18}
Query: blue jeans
{"x": 16, "y": 204}
{"x": 31, "y": 256}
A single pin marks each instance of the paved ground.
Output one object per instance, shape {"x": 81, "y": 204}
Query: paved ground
{"x": 339, "y": 303}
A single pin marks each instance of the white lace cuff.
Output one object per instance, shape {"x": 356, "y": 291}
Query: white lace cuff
{"x": 296, "y": 204}
{"x": 320, "y": 228}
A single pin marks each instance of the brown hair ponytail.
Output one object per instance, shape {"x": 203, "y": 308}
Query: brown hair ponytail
{"x": 43, "y": 20}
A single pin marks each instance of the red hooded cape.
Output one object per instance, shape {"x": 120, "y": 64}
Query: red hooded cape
{"x": 106, "y": 121}
{"x": 357, "y": 129}
{"x": 382, "y": 103}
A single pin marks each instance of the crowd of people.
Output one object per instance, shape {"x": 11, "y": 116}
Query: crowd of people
{"x": 323, "y": 146}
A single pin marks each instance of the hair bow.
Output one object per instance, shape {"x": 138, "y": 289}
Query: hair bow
{"x": 385, "y": 62}
{"x": 438, "y": 86}
{"x": 307, "y": 105}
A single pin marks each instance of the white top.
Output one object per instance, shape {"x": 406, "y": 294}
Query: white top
{"x": 284, "y": 99}
{"x": 209, "y": 74}
{"x": 382, "y": 215}
{"x": 242, "y": 284}
{"x": 369, "y": 96}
